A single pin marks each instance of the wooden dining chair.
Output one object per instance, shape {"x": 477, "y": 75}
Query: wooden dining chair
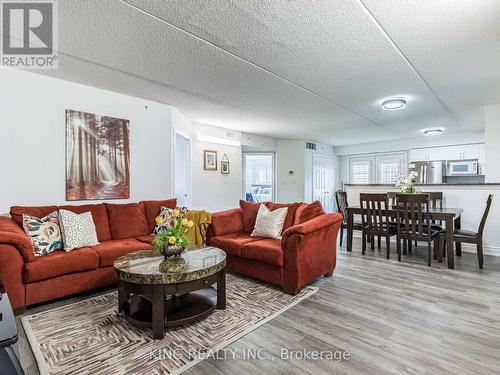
{"x": 414, "y": 223}
{"x": 341, "y": 199}
{"x": 468, "y": 236}
{"x": 375, "y": 220}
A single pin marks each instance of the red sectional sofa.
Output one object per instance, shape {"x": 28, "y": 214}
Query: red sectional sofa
{"x": 121, "y": 228}
{"x": 306, "y": 251}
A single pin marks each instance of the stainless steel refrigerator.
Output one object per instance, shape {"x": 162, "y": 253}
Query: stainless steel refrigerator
{"x": 429, "y": 172}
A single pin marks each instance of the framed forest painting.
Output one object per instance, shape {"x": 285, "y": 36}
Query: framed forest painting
{"x": 97, "y": 157}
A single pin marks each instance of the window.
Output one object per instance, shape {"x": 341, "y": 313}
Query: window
{"x": 376, "y": 168}
{"x": 360, "y": 172}
{"x": 258, "y": 176}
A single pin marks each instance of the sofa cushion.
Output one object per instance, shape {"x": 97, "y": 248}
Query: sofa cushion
{"x": 60, "y": 263}
{"x": 152, "y": 210}
{"x": 231, "y": 243}
{"x": 99, "y": 215}
{"x": 290, "y": 216}
{"x": 108, "y": 251}
{"x": 146, "y": 239}
{"x": 16, "y": 212}
{"x": 78, "y": 230}
{"x": 226, "y": 222}
{"x": 266, "y": 251}
{"x": 127, "y": 220}
{"x": 249, "y": 214}
{"x": 306, "y": 212}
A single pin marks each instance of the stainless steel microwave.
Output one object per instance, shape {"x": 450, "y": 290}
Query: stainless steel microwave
{"x": 463, "y": 168}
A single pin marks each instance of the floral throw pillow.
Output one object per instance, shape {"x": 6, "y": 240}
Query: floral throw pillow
{"x": 45, "y": 233}
{"x": 166, "y": 218}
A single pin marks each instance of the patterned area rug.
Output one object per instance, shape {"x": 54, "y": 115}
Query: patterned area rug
{"x": 90, "y": 337}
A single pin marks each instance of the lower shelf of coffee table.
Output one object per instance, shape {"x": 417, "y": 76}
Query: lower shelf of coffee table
{"x": 183, "y": 309}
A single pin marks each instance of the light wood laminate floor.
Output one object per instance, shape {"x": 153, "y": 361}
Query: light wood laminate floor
{"x": 391, "y": 317}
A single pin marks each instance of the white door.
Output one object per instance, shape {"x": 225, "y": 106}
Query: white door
{"x": 182, "y": 170}
{"x": 324, "y": 181}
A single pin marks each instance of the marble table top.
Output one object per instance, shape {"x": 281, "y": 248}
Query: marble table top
{"x": 143, "y": 266}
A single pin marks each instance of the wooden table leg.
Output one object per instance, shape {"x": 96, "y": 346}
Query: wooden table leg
{"x": 449, "y": 242}
{"x": 221, "y": 289}
{"x": 458, "y": 245}
{"x": 349, "y": 230}
{"x": 158, "y": 312}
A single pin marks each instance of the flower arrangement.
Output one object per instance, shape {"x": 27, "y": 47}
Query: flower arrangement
{"x": 407, "y": 183}
{"x": 171, "y": 239}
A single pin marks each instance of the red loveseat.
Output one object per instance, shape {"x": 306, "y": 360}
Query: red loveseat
{"x": 121, "y": 228}
{"x": 306, "y": 251}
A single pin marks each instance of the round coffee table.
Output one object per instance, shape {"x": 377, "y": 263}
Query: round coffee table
{"x": 148, "y": 297}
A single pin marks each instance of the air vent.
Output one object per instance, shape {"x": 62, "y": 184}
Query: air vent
{"x": 311, "y": 146}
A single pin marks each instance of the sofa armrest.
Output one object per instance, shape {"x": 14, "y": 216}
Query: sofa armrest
{"x": 12, "y": 234}
{"x": 226, "y": 222}
{"x": 11, "y": 275}
{"x": 310, "y": 250}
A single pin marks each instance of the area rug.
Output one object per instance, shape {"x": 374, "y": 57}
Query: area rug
{"x": 90, "y": 337}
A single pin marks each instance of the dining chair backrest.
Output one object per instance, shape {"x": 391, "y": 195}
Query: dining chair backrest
{"x": 374, "y": 211}
{"x": 435, "y": 199}
{"x": 413, "y": 215}
{"x": 392, "y": 195}
{"x": 341, "y": 198}
{"x": 485, "y": 215}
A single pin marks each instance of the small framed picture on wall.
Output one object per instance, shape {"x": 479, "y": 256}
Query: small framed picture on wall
{"x": 210, "y": 160}
{"x": 224, "y": 167}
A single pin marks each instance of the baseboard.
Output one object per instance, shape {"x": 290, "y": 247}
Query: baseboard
{"x": 466, "y": 247}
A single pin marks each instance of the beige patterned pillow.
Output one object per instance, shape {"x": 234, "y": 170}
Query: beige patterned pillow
{"x": 77, "y": 230}
{"x": 269, "y": 224}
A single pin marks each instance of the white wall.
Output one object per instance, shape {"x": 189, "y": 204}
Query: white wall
{"x": 290, "y": 170}
{"x": 212, "y": 190}
{"x": 492, "y": 137}
{"x": 32, "y": 141}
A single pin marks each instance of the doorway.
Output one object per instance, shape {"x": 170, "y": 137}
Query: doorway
{"x": 324, "y": 180}
{"x": 182, "y": 170}
{"x": 258, "y": 176}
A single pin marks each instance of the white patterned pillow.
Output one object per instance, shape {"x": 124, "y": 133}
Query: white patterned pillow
{"x": 44, "y": 233}
{"x": 269, "y": 223}
{"x": 77, "y": 230}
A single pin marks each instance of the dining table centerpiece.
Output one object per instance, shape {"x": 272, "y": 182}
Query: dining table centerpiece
{"x": 406, "y": 183}
{"x": 171, "y": 240}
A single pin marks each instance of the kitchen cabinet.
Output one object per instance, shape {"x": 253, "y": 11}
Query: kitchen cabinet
{"x": 462, "y": 152}
{"x": 427, "y": 154}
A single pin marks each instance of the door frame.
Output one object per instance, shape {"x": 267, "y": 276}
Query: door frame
{"x": 243, "y": 168}
{"x": 175, "y": 133}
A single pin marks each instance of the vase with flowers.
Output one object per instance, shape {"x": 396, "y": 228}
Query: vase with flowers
{"x": 172, "y": 240}
{"x": 407, "y": 183}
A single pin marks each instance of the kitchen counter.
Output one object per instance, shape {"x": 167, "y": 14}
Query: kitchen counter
{"x": 442, "y": 184}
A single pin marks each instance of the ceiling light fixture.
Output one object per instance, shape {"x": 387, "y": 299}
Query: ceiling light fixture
{"x": 393, "y": 104}
{"x": 431, "y": 132}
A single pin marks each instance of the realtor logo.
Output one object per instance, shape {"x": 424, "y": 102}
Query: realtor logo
{"x": 29, "y": 34}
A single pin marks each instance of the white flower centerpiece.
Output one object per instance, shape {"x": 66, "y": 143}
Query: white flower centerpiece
{"x": 407, "y": 183}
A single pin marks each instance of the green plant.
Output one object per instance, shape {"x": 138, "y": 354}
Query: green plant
{"x": 174, "y": 235}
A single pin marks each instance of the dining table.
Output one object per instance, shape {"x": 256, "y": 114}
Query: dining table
{"x": 450, "y": 216}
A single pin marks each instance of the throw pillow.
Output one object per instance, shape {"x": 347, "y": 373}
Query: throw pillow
{"x": 290, "y": 216}
{"x": 78, "y": 230}
{"x": 249, "y": 214}
{"x": 44, "y": 233}
{"x": 307, "y": 212}
{"x": 269, "y": 224}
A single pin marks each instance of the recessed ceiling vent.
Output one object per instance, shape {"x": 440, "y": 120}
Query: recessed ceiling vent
{"x": 310, "y": 146}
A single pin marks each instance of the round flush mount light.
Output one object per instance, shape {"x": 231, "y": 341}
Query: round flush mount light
{"x": 432, "y": 132}
{"x": 393, "y": 104}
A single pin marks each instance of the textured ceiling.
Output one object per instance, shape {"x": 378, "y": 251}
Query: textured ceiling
{"x": 293, "y": 69}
